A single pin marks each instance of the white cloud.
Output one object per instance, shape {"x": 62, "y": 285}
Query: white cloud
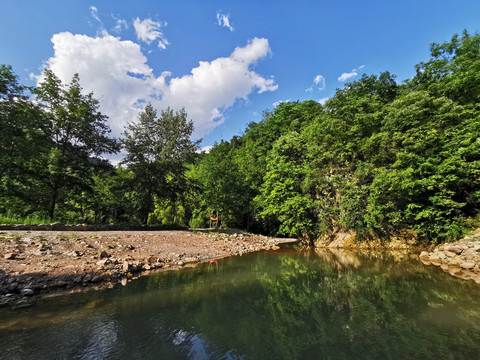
{"x": 148, "y": 30}
{"x": 277, "y": 103}
{"x": 323, "y": 100}
{"x": 224, "y": 20}
{"x": 318, "y": 82}
{"x": 117, "y": 73}
{"x": 94, "y": 14}
{"x": 205, "y": 149}
{"x": 214, "y": 86}
{"x": 345, "y": 76}
{"x": 120, "y": 25}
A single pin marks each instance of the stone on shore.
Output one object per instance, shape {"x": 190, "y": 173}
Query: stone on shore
{"x": 460, "y": 259}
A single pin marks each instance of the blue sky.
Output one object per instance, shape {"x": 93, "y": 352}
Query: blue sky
{"x": 252, "y": 53}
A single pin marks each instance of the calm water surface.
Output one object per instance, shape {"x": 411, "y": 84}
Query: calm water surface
{"x": 272, "y": 305}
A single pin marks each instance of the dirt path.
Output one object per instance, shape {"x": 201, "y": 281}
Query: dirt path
{"x": 41, "y": 262}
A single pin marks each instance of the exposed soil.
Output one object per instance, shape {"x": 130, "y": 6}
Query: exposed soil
{"x": 36, "y": 263}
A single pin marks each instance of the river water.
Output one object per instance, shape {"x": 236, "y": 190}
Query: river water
{"x": 286, "y": 304}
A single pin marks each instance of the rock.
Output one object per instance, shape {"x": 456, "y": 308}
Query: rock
{"x": 180, "y": 263}
{"x": 61, "y": 283}
{"x": 125, "y": 266}
{"x": 104, "y": 254}
{"x": 77, "y": 279}
{"x": 467, "y": 265}
{"x": 453, "y": 262}
{"x": 87, "y": 278}
{"x": 26, "y": 292}
{"x": 75, "y": 253}
{"x": 96, "y": 278}
{"x": 104, "y": 262}
{"x": 449, "y": 253}
{"x": 13, "y": 287}
{"x": 469, "y": 254}
{"x": 423, "y": 254}
{"x": 10, "y": 256}
{"x": 454, "y": 249}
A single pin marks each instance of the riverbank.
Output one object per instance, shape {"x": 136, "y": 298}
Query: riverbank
{"x": 460, "y": 259}
{"x": 39, "y": 263}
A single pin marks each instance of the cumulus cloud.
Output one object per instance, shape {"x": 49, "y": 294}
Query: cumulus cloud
{"x": 214, "y": 86}
{"x": 224, "y": 20}
{"x": 117, "y": 73}
{"x": 148, "y": 30}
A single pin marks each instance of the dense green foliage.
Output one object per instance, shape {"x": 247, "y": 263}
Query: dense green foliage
{"x": 378, "y": 157}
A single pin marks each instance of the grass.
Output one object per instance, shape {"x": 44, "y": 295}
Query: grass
{"x": 12, "y": 219}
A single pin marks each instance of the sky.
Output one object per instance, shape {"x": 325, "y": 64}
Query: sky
{"x": 225, "y": 62}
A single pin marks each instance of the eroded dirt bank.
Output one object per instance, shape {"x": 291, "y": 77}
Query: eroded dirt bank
{"x": 41, "y": 262}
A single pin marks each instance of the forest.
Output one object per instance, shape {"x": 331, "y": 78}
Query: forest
{"x": 378, "y": 157}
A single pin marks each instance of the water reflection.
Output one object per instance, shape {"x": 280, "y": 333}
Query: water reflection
{"x": 273, "y": 305}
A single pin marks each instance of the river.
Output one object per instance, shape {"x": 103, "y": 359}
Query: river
{"x": 285, "y": 304}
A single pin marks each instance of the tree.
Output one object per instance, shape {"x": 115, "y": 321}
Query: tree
{"x": 23, "y": 146}
{"x": 452, "y": 70}
{"x": 281, "y": 198}
{"x": 78, "y": 132}
{"x": 157, "y": 150}
{"x": 223, "y": 187}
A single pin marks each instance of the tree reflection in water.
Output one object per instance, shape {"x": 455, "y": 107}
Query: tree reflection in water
{"x": 272, "y": 305}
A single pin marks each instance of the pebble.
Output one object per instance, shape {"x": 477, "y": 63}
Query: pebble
{"x": 26, "y": 292}
{"x": 10, "y": 256}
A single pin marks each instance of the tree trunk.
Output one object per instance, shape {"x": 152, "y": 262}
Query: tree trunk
{"x": 149, "y": 202}
{"x": 53, "y": 202}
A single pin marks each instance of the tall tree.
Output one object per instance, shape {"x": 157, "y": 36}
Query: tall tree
{"x": 223, "y": 188}
{"x": 23, "y": 145}
{"x": 157, "y": 150}
{"x": 78, "y": 133}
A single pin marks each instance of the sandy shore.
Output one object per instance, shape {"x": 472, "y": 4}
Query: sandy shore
{"x": 34, "y": 263}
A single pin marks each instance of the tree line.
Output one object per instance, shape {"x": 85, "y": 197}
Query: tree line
{"x": 378, "y": 157}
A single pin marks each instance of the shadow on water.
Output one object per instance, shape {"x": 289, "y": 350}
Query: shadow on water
{"x": 311, "y": 304}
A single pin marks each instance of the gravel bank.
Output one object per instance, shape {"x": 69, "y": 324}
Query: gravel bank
{"x": 36, "y": 263}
